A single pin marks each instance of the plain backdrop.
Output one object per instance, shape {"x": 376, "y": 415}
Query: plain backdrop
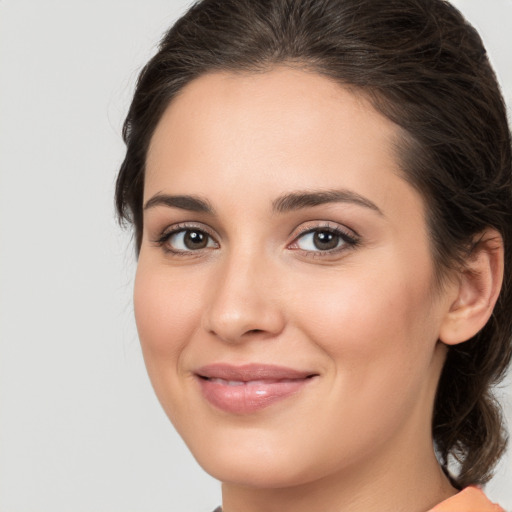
{"x": 80, "y": 429}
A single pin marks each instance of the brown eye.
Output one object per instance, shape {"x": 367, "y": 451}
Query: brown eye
{"x": 325, "y": 240}
{"x": 320, "y": 240}
{"x": 186, "y": 240}
{"x": 195, "y": 239}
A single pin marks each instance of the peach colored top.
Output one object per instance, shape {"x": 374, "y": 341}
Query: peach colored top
{"x": 471, "y": 499}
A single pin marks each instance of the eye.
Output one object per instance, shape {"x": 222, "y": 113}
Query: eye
{"x": 324, "y": 239}
{"x": 186, "y": 240}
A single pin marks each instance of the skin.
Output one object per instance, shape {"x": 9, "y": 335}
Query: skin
{"x": 365, "y": 319}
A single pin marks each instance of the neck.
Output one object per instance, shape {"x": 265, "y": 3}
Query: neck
{"x": 388, "y": 485}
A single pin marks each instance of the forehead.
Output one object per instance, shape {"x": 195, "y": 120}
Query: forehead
{"x": 281, "y": 108}
{"x": 281, "y": 129}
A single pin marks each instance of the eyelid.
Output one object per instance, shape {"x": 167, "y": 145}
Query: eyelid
{"x": 350, "y": 238}
{"x": 173, "y": 229}
{"x": 315, "y": 225}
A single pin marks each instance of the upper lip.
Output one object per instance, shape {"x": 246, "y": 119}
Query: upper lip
{"x": 250, "y": 372}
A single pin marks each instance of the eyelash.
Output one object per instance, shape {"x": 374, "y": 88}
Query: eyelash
{"x": 162, "y": 240}
{"x": 349, "y": 241}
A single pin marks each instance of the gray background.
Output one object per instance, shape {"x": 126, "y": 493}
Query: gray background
{"x": 80, "y": 429}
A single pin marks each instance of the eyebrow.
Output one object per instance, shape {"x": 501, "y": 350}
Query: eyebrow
{"x": 306, "y": 199}
{"x": 183, "y": 202}
{"x": 289, "y": 202}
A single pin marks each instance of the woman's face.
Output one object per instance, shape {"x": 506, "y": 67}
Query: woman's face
{"x": 284, "y": 294}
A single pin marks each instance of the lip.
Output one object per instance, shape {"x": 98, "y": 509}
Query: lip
{"x": 249, "y": 388}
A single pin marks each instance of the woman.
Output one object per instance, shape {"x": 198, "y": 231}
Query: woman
{"x": 321, "y": 193}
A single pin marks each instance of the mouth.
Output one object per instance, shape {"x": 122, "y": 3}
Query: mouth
{"x": 249, "y": 388}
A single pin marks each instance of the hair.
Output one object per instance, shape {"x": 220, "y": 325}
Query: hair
{"x": 425, "y": 68}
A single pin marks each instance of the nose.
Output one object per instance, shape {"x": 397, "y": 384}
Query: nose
{"x": 245, "y": 301}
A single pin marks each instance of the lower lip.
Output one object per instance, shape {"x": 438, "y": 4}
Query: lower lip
{"x": 249, "y": 397}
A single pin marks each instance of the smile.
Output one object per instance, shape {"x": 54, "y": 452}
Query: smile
{"x": 249, "y": 388}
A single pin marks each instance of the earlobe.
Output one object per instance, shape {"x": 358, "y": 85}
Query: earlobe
{"x": 477, "y": 290}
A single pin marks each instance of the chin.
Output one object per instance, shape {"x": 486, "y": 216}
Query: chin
{"x": 257, "y": 461}
{"x": 259, "y": 474}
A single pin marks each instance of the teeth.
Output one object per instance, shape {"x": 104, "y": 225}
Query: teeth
{"x": 228, "y": 382}
{"x": 255, "y": 382}
{"x": 235, "y": 383}
{"x": 248, "y": 383}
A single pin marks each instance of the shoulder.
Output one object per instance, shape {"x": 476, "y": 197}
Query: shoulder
{"x": 471, "y": 499}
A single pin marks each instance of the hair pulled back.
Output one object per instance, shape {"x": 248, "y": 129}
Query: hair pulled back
{"x": 425, "y": 68}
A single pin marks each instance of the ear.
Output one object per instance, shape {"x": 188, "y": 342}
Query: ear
{"x": 476, "y": 290}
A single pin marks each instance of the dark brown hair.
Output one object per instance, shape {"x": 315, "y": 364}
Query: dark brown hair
{"x": 425, "y": 68}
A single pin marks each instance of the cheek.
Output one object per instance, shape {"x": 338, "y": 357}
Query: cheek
{"x": 374, "y": 326}
{"x": 166, "y": 313}
{"x": 380, "y": 340}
